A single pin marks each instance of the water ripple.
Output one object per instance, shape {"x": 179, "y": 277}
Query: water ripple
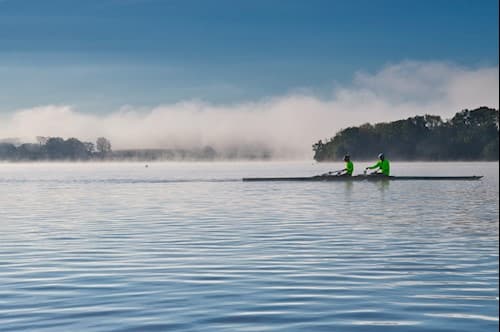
{"x": 93, "y": 248}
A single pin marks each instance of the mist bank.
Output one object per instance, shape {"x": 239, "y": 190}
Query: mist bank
{"x": 278, "y": 127}
{"x": 471, "y": 135}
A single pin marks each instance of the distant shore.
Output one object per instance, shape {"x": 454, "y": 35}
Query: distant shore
{"x": 471, "y": 135}
{"x": 215, "y": 161}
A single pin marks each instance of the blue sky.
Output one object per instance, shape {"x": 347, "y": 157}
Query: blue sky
{"x": 99, "y": 55}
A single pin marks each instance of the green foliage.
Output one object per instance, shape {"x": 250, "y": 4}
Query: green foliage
{"x": 469, "y": 135}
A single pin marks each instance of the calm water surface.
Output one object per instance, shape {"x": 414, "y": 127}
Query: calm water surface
{"x": 189, "y": 247}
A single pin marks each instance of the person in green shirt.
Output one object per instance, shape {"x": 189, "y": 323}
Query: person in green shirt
{"x": 382, "y": 166}
{"x": 349, "y": 167}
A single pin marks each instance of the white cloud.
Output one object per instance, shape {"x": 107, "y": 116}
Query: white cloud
{"x": 287, "y": 125}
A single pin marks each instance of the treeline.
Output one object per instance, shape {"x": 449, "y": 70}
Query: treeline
{"x": 56, "y": 148}
{"x": 206, "y": 153}
{"x": 469, "y": 135}
{"x": 72, "y": 149}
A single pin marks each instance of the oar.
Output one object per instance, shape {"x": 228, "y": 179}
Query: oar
{"x": 331, "y": 172}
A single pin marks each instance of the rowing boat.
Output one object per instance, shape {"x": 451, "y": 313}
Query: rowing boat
{"x": 367, "y": 178}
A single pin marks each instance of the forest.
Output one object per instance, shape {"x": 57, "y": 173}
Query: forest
{"x": 55, "y": 148}
{"x": 469, "y": 135}
{"x": 72, "y": 149}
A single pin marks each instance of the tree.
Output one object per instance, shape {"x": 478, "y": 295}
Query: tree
{"x": 318, "y": 150}
{"x": 469, "y": 135}
{"x": 75, "y": 150}
{"x": 42, "y": 140}
{"x": 8, "y": 151}
{"x": 90, "y": 147}
{"x": 103, "y": 145}
{"x": 55, "y": 148}
{"x": 30, "y": 151}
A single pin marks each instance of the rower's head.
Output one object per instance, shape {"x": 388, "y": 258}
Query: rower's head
{"x": 347, "y": 157}
{"x": 381, "y": 156}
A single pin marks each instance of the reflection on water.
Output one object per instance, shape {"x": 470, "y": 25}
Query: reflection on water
{"x": 382, "y": 185}
{"x": 189, "y": 247}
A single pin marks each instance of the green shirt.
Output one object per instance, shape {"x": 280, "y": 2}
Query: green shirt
{"x": 349, "y": 166}
{"x": 383, "y": 165}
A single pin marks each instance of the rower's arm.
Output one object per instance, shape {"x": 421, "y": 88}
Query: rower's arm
{"x": 377, "y": 165}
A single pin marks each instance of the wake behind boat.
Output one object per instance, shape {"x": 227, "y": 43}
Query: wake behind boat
{"x": 327, "y": 177}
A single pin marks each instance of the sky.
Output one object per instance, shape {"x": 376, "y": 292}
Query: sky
{"x": 172, "y": 72}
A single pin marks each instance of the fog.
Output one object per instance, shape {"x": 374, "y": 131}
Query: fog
{"x": 285, "y": 125}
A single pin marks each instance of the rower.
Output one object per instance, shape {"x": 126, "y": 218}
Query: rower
{"x": 349, "y": 167}
{"x": 382, "y": 166}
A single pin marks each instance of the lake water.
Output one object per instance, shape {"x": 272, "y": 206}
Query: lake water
{"x": 189, "y": 247}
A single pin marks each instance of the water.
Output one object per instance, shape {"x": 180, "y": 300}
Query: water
{"x": 189, "y": 247}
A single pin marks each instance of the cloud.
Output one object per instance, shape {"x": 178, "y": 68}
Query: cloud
{"x": 286, "y": 125}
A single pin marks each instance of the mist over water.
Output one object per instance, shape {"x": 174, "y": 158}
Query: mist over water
{"x": 285, "y": 127}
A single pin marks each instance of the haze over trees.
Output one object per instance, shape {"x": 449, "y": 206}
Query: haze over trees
{"x": 49, "y": 148}
{"x": 58, "y": 149}
{"x": 469, "y": 135}
{"x": 103, "y": 145}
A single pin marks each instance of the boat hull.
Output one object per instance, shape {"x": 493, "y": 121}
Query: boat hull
{"x": 328, "y": 178}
